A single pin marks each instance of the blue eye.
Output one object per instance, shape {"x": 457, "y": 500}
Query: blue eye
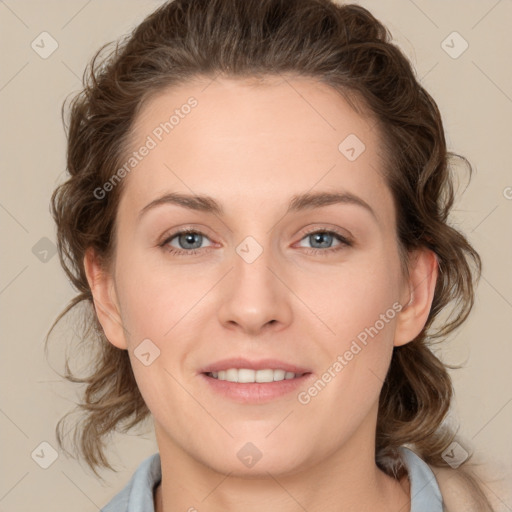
{"x": 324, "y": 240}
{"x": 189, "y": 242}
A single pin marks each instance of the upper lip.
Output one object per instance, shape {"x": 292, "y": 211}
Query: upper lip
{"x": 261, "y": 364}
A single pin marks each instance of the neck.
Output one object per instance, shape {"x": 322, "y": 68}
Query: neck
{"x": 347, "y": 480}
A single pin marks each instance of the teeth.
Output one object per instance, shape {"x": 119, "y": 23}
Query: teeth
{"x": 280, "y": 374}
{"x": 245, "y": 375}
{"x": 232, "y": 375}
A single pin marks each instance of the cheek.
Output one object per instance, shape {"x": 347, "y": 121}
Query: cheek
{"x": 360, "y": 308}
{"x": 169, "y": 402}
{"x": 153, "y": 298}
{"x": 354, "y": 297}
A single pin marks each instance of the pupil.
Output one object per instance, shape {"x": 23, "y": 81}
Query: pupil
{"x": 189, "y": 239}
{"x": 319, "y": 237}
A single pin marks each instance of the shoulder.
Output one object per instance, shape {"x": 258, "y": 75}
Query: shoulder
{"x": 462, "y": 490}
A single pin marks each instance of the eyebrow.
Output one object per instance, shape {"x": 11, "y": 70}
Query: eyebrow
{"x": 300, "y": 202}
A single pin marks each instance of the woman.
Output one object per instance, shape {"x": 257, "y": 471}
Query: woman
{"x": 256, "y": 214}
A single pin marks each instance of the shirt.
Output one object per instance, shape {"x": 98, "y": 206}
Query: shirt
{"x": 137, "y": 496}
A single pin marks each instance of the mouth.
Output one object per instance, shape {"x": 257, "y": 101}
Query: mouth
{"x": 254, "y": 382}
{"x": 250, "y": 376}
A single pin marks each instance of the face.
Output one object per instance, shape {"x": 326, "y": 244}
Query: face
{"x": 271, "y": 277}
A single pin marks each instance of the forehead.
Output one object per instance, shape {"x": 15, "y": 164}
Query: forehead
{"x": 261, "y": 140}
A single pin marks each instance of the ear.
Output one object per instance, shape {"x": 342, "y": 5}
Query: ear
{"x": 104, "y": 295}
{"x": 417, "y": 296}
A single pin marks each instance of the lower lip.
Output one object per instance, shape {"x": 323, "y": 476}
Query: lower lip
{"x": 255, "y": 392}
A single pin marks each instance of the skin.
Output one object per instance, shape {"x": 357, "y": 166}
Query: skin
{"x": 252, "y": 147}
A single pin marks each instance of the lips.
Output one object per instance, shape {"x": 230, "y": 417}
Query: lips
{"x": 252, "y": 383}
{"x": 261, "y": 364}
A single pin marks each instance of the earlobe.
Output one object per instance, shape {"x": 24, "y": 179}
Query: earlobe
{"x": 421, "y": 285}
{"x": 105, "y": 300}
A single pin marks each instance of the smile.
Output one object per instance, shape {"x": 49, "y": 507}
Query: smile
{"x": 245, "y": 375}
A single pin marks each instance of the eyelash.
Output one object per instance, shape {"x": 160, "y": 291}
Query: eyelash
{"x": 324, "y": 252}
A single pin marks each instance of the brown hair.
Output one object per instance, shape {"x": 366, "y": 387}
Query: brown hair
{"x": 343, "y": 46}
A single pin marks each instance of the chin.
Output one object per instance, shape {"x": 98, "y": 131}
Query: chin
{"x": 248, "y": 460}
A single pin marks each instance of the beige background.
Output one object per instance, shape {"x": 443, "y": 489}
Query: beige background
{"x": 474, "y": 93}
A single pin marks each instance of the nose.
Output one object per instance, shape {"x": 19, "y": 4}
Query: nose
{"x": 254, "y": 295}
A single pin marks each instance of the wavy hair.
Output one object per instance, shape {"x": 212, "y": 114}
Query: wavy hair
{"x": 343, "y": 46}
